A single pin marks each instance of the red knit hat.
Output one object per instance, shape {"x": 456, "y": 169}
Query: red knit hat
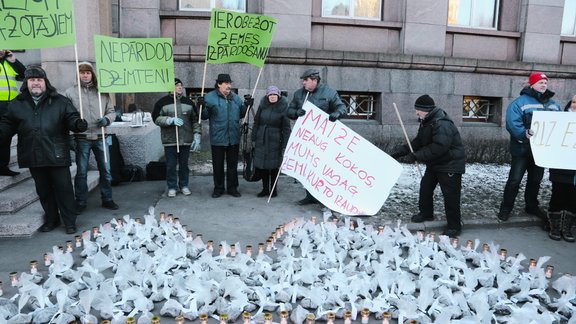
{"x": 536, "y": 76}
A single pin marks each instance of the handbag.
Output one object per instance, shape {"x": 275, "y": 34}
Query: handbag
{"x": 249, "y": 172}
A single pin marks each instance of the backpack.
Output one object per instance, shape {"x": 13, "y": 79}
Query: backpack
{"x": 132, "y": 173}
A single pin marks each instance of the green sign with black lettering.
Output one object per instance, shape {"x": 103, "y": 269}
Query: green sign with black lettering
{"x": 239, "y": 37}
{"x": 36, "y": 24}
{"x": 134, "y": 64}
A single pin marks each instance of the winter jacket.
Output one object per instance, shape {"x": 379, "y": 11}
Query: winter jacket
{"x": 43, "y": 128}
{"x": 270, "y": 133}
{"x": 438, "y": 144}
{"x": 323, "y": 97}
{"x": 224, "y": 114}
{"x": 519, "y": 117}
{"x": 91, "y": 109}
{"x": 186, "y": 110}
{"x": 562, "y": 175}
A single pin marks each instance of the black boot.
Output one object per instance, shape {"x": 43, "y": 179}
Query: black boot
{"x": 567, "y": 222}
{"x": 555, "y": 219}
{"x": 265, "y": 184}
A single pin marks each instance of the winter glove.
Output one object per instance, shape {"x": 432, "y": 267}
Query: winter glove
{"x": 334, "y": 116}
{"x": 174, "y": 121}
{"x": 300, "y": 112}
{"x": 195, "y": 147}
{"x": 398, "y": 151}
{"x": 102, "y": 122}
{"x": 81, "y": 125}
{"x": 200, "y": 101}
{"x": 248, "y": 100}
{"x": 410, "y": 158}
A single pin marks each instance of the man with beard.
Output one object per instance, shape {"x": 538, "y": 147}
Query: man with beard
{"x": 43, "y": 119}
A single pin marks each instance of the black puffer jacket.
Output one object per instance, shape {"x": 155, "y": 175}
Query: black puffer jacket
{"x": 43, "y": 129}
{"x": 270, "y": 133}
{"x": 438, "y": 144}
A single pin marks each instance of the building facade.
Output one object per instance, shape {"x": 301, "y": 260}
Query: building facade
{"x": 472, "y": 56}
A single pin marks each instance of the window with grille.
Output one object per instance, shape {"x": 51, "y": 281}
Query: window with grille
{"x": 207, "y": 5}
{"x": 473, "y": 13}
{"x": 481, "y": 109}
{"x": 569, "y": 18}
{"x": 356, "y": 9}
{"x": 359, "y": 105}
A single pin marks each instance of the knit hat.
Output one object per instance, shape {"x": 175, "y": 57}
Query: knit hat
{"x": 424, "y": 103}
{"x": 223, "y": 78}
{"x": 535, "y": 77}
{"x": 176, "y": 81}
{"x": 87, "y": 66}
{"x": 311, "y": 73}
{"x": 34, "y": 71}
{"x": 272, "y": 90}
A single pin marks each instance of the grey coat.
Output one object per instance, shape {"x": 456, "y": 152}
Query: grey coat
{"x": 270, "y": 133}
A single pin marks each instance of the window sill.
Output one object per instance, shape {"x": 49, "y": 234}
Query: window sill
{"x": 482, "y": 31}
{"x": 355, "y": 22}
{"x": 568, "y": 39}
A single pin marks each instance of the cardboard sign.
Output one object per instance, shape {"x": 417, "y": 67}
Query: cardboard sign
{"x": 36, "y": 24}
{"x": 134, "y": 64}
{"x": 340, "y": 168}
{"x": 239, "y": 37}
{"x": 554, "y": 141}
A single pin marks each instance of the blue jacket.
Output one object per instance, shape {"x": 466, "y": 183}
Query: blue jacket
{"x": 519, "y": 117}
{"x": 224, "y": 114}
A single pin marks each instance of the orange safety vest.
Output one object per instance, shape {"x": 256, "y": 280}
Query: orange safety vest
{"x": 8, "y": 85}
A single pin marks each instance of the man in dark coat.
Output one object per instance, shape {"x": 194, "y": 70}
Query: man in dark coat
{"x": 439, "y": 146}
{"x": 43, "y": 119}
{"x": 323, "y": 97}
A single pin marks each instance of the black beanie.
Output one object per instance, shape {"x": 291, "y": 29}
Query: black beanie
{"x": 424, "y": 103}
{"x": 176, "y": 81}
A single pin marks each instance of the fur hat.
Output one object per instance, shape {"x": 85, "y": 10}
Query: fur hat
{"x": 87, "y": 66}
{"x": 424, "y": 103}
{"x": 223, "y": 77}
{"x": 176, "y": 81}
{"x": 536, "y": 76}
{"x": 272, "y": 90}
{"x": 34, "y": 71}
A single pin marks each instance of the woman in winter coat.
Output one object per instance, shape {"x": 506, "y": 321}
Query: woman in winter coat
{"x": 269, "y": 137}
{"x": 562, "y": 206}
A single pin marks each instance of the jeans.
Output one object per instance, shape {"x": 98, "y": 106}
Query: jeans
{"x": 451, "y": 186}
{"x": 177, "y": 179}
{"x": 230, "y": 155}
{"x": 519, "y": 166}
{"x": 83, "y": 148}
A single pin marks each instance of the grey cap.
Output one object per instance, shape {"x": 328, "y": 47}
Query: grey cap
{"x": 310, "y": 73}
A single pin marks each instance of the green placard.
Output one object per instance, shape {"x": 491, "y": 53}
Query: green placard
{"x": 134, "y": 64}
{"x": 26, "y": 24}
{"x": 239, "y": 37}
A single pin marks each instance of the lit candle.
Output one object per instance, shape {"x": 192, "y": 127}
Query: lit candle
{"x": 269, "y": 245}
{"x": 284, "y": 317}
{"x": 78, "y": 240}
{"x": 162, "y": 216}
{"x": 365, "y": 315}
{"x": 223, "y": 318}
{"x": 386, "y": 317}
{"x": 95, "y": 231}
{"x": 246, "y": 318}
{"x": 421, "y": 234}
{"x": 189, "y": 235}
{"x": 502, "y": 254}
{"x": 105, "y": 322}
{"x": 330, "y": 318}
{"x": 210, "y": 245}
{"x": 267, "y": 318}
{"x": 455, "y": 242}
{"x": 119, "y": 223}
{"x": 203, "y": 318}
{"x": 199, "y": 237}
{"x": 260, "y": 248}
{"x": 549, "y": 271}
{"x": 533, "y": 263}
{"x": 233, "y": 250}
{"x": 170, "y": 218}
{"x": 273, "y": 237}
{"x": 313, "y": 220}
{"x": 179, "y": 319}
{"x": 176, "y": 221}
{"x": 46, "y": 259}
{"x": 221, "y": 249}
{"x": 130, "y": 320}
{"x": 310, "y": 318}
{"x": 432, "y": 236}
{"x": 348, "y": 317}
{"x": 155, "y": 319}
{"x": 469, "y": 244}
{"x": 33, "y": 266}
{"x": 137, "y": 220}
{"x": 14, "y": 278}
{"x": 381, "y": 229}
{"x": 485, "y": 247}
{"x": 249, "y": 250}
{"x": 1, "y": 288}
{"x": 335, "y": 221}
{"x": 69, "y": 246}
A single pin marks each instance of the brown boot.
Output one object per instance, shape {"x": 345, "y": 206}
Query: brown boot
{"x": 555, "y": 219}
{"x": 567, "y": 222}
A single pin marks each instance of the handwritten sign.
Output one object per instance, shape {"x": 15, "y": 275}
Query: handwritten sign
{"x": 239, "y": 37}
{"x": 134, "y": 64}
{"x": 36, "y": 24}
{"x": 554, "y": 141}
{"x": 340, "y": 168}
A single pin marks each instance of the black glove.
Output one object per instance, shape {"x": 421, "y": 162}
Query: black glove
{"x": 102, "y": 122}
{"x": 248, "y": 100}
{"x": 334, "y": 116}
{"x": 300, "y": 112}
{"x": 410, "y": 158}
{"x": 81, "y": 125}
{"x": 200, "y": 101}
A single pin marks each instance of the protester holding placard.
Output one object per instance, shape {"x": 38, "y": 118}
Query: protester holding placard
{"x": 97, "y": 117}
{"x": 439, "y": 146}
{"x": 535, "y": 97}
{"x": 42, "y": 118}
{"x": 178, "y": 126}
{"x": 11, "y": 70}
{"x": 562, "y": 206}
{"x": 323, "y": 97}
{"x": 224, "y": 109}
{"x": 270, "y": 135}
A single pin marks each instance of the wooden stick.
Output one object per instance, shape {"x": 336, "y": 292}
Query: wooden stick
{"x": 102, "y": 128}
{"x": 406, "y": 136}
{"x": 78, "y": 81}
{"x": 176, "y": 116}
{"x": 202, "y": 93}
{"x": 253, "y": 92}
